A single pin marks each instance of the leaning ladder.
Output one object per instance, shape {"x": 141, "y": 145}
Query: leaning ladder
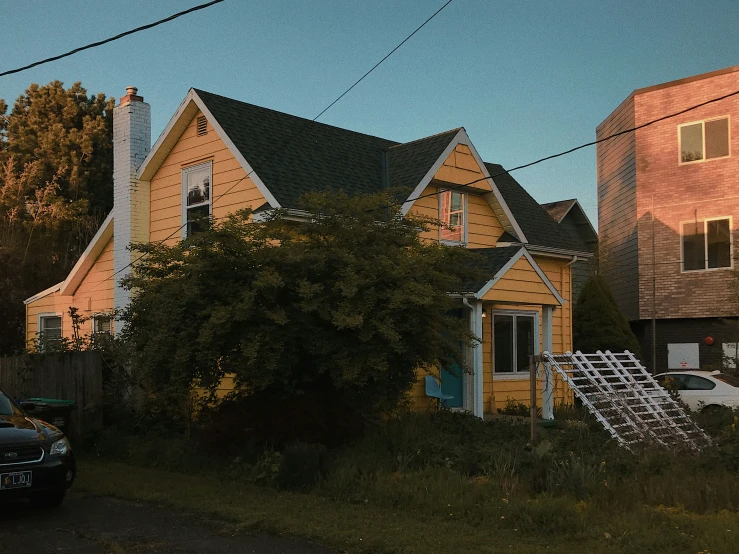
{"x": 626, "y": 400}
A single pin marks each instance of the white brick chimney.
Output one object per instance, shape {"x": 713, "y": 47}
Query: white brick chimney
{"x": 131, "y": 144}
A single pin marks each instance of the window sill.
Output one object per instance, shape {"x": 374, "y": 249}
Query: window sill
{"x": 708, "y": 270}
{"x": 446, "y": 242}
{"x": 512, "y": 376}
{"x": 704, "y": 160}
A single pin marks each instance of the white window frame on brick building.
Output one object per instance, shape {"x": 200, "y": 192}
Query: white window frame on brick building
{"x": 706, "y": 257}
{"x": 449, "y": 232}
{"x": 702, "y": 123}
{"x": 204, "y": 170}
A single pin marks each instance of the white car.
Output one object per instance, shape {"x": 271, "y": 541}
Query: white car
{"x": 702, "y": 389}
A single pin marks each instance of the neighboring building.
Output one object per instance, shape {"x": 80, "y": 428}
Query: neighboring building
{"x": 570, "y": 215}
{"x": 673, "y": 184}
{"x": 218, "y": 155}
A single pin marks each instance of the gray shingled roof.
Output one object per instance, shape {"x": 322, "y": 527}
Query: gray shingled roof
{"x": 409, "y": 162}
{"x": 486, "y": 263}
{"x": 540, "y": 229}
{"x": 293, "y": 156}
{"x": 559, "y": 209}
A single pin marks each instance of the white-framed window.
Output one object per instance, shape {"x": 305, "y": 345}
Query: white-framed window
{"x": 101, "y": 324}
{"x": 49, "y": 328}
{"x": 196, "y": 197}
{"x": 704, "y": 140}
{"x": 706, "y": 244}
{"x": 515, "y": 338}
{"x": 453, "y": 216}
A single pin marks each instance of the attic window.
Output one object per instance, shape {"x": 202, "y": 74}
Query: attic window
{"x": 202, "y": 126}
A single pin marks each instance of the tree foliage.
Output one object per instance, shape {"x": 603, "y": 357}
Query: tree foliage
{"x": 56, "y": 186}
{"x": 598, "y": 323}
{"x": 340, "y": 310}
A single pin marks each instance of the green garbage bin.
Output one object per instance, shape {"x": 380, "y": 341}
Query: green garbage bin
{"x": 53, "y": 410}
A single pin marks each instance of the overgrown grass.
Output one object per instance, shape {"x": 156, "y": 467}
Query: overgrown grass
{"x": 450, "y": 483}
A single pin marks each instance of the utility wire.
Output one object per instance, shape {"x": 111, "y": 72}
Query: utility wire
{"x": 111, "y": 39}
{"x": 291, "y": 138}
{"x": 563, "y": 153}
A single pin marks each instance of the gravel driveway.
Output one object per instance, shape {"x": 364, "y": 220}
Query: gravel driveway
{"x": 107, "y": 525}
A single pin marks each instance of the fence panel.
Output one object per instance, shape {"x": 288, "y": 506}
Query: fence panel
{"x": 74, "y": 376}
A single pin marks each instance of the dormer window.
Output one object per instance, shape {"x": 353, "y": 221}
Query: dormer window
{"x": 196, "y": 197}
{"x": 704, "y": 140}
{"x": 453, "y": 216}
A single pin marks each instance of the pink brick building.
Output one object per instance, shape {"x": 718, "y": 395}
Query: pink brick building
{"x": 668, "y": 211}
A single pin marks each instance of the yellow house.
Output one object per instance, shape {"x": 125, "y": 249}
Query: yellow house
{"x": 218, "y": 155}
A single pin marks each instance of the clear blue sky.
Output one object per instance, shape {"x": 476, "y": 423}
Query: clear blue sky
{"x": 526, "y": 79}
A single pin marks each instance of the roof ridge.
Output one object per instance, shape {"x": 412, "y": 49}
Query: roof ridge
{"x": 455, "y": 130}
{"x": 305, "y": 119}
{"x": 559, "y": 202}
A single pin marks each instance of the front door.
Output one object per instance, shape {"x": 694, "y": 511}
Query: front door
{"x": 451, "y": 383}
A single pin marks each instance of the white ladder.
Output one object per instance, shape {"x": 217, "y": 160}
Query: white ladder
{"x": 626, "y": 400}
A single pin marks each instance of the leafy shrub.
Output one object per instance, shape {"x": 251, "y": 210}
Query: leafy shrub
{"x": 303, "y": 465}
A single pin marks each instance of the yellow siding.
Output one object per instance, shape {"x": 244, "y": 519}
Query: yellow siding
{"x": 483, "y": 228}
{"x": 166, "y": 184}
{"x": 461, "y": 168}
{"x": 94, "y": 295}
{"x": 521, "y": 284}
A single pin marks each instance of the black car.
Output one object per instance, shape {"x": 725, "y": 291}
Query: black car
{"x": 36, "y": 460}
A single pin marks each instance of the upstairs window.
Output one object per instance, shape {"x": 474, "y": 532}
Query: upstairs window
{"x": 196, "y": 201}
{"x": 704, "y": 140}
{"x": 452, "y": 213}
{"x": 706, "y": 244}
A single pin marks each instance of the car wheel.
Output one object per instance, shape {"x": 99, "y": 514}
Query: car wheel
{"x": 47, "y": 499}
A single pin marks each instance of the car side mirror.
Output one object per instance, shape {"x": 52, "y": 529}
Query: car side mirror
{"x": 28, "y": 406}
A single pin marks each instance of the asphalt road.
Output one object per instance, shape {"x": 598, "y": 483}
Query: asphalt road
{"x": 96, "y": 525}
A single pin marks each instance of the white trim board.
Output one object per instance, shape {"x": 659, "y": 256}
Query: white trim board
{"x": 192, "y": 100}
{"x": 509, "y": 264}
{"x": 88, "y": 257}
{"x": 462, "y": 138}
{"x": 45, "y": 292}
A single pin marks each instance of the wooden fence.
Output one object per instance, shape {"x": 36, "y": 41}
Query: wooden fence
{"x": 75, "y": 376}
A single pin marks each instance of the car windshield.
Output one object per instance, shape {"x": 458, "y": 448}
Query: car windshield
{"x": 7, "y": 407}
{"x": 728, "y": 379}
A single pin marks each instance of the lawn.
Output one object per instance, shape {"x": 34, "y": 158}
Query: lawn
{"x": 444, "y": 483}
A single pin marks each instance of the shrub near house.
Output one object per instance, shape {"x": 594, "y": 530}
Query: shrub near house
{"x": 324, "y": 323}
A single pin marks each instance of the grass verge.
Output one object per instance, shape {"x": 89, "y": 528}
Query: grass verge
{"x": 364, "y": 527}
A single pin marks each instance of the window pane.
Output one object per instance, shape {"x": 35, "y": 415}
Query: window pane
{"x": 197, "y": 219}
{"x": 101, "y": 324}
{"x": 693, "y": 382}
{"x": 524, "y": 341}
{"x": 198, "y": 187}
{"x": 694, "y": 246}
{"x": 719, "y": 243}
{"x": 51, "y": 327}
{"x": 691, "y": 142}
{"x": 452, "y": 214}
{"x": 717, "y": 138}
{"x": 503, "y": 343}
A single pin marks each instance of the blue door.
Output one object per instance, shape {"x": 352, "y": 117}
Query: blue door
{"x": 451, "y": 383}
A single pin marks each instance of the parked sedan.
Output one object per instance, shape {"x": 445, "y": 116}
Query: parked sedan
{"x": 36, "y": 460}
{"x": 702, "y": 389}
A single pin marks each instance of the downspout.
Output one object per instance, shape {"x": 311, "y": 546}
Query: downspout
{"x": 468, "y": 403}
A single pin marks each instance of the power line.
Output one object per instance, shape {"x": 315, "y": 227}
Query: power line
{"x": 111, "y": 39}
{"x": 293, "y": 136}
{"x": 563, "y": 153}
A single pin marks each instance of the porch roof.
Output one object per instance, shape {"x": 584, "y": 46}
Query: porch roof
{"x": 513, "y": 273}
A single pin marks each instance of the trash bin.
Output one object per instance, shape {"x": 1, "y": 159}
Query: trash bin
{"x": 53, "y": 410}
